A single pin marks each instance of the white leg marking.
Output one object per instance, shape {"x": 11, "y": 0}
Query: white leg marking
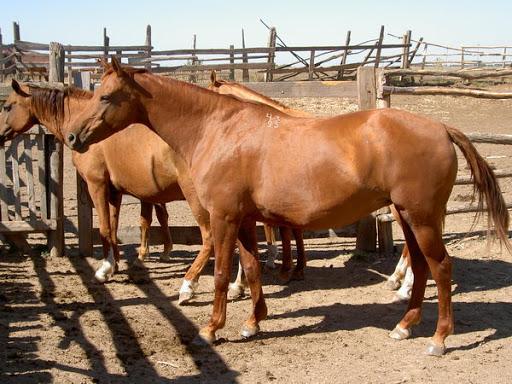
{"x": 107, "y": 268}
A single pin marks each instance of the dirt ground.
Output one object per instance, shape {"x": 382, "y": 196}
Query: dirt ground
{"x": 57, "y": 325}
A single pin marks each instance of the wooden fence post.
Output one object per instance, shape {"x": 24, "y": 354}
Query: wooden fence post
{"x": 379, "y": 47}
{"x": 245, "y": 60}
{"x": 367, "y": 95}
{"x": 311, "y": 69}
{"x": 83, "y": 201}
{"x": 193, "y": 75}
{"x": 56, "y": 161}
{"x": 15, "y": 32}
{"x": 2, "y": 66}
{"x": 232, "y": 62}
{"x": 344, "y": 57}
{"x": 271, "y": 54}
{"x": 106, "y": 41}
{"x": 405, "y": 54}
{"x": 384, "y": 227}
{"x": 149, "y": 48}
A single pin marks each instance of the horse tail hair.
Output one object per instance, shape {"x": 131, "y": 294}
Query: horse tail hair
{"x": 485, "y": 186}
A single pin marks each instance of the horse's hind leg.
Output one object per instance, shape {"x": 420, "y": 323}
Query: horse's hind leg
{"x": 237, "y": 288}
{"x": 163, "y": 219}
{"x": 270, "y": 236}
{"x": 427, "y": 250}
{"x": 286, "y": 265}
{"x": 249, "y": 259}
{"x": 298, "y": 271}
{"x": 146, "y": 213}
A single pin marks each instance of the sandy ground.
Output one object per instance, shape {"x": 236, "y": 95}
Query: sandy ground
{"x": 56, "y": 325}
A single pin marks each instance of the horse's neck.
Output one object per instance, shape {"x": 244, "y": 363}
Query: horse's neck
{"x": 72, "y": 106}
{"x": 178, "y": 113}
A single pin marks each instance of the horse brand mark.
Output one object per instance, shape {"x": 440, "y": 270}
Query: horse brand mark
{"x": 273, "y": 121}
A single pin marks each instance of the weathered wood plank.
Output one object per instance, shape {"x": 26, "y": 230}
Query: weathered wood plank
{"x": 464, "y": 74}
{"x": 41, "y": 173}
{"x": 446, "y": 91}
{"x": 190, "y": 235}
{"x": 4, "y": 205}
{"x": 490, "y": 138}
{"x": 305, "y": 89}
{"x": 16, "y": 177}
{"x": 30, "y": 179}
{"x": 25, "y": 226}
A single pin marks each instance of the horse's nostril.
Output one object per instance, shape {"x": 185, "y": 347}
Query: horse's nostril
{"x": 71, "y": 138}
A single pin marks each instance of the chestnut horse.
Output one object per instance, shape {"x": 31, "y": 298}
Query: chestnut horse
{"x": 244, "y": 159}
{"x": 107, "y": 171}
{"x": 402, "y": 278}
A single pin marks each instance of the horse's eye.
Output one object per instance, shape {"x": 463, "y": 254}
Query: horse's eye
{"x": 105, "y": 98}
{"x": 7, "y": 108}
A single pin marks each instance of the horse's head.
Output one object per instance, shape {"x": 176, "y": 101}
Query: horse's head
{"x": 114, "y": 106}
{"x": 16, "y": 116}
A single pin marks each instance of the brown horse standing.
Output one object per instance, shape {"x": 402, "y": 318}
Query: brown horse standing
{"x": 243, "y": 159}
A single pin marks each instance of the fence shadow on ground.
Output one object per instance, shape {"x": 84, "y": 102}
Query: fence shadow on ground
{"x": 20, "y": 354}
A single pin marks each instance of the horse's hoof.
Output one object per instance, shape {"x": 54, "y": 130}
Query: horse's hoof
{"x": 235, "y": 291}
{"x": 101, "y": 277}
{"x": 203, "y": 339}
{"x": 249, "y": 330}
{"x": 400, "y": 333}
{"x": 185, "y": 297}
{"x": 285, "y": 276}
{"x": 436, "y": 350}
{"x": 392, "y": 285}
{"x": 165, "y": 257}
{"x": 138, "y": 263}
{"x": 397, "y": 299}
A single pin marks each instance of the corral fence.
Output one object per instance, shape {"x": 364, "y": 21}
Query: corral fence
{"x": 31, "y": 182}
{"x": 273, "y": 62}
{"x": 377, "y": 94}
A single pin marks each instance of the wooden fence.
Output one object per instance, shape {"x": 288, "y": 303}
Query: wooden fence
{"x": 29, "y": 60}
{"x": 377, "y": 94}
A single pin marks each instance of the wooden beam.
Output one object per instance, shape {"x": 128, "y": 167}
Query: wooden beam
{"x": 56, "y": 156}
{"x": 447, "y": 91}
{"x": 379, "y": 47}
{"x": 25, "y": 226}
{"x": 245, "y": 60}
{"x": 344, "y": 57}
{"x": 293, "y": 89}
{"x": 470, "y": 75}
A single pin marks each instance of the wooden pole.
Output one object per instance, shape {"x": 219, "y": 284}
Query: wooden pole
{"x": 344, "y": 57}
{"x": 232, "y": 61}
{"x": 149, "y": 47}
{"x": 271, "y": 54}
{"x": 379, "y": 47}
{"x": 106, "y": 41}
{"x": 245, "y": 60}
{"x": 462, "y": 58}
{"x": 367, "y": 96}
{"x": 311, "y": 69}
{"x": 2, "y": 66}
{"x": 83, "y": 201}
{"x": 405, "y": 56}
{"x": 384, "y": 227}
{"x": 16, "y": 38}
{"x": 16, "y": 32}
{"x": 56, "y": 238}
{"x": 193, "y": 75}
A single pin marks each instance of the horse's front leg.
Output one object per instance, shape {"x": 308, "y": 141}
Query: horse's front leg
{"x": 248, "y": 245}
{"x": 99, "y": 193}
{"x": 114, "y": 204}
{"x": 224, "y": 238}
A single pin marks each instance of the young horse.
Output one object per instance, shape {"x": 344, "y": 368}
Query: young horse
{"x": 244, "y": 158}
{"x": 402, "y": 278}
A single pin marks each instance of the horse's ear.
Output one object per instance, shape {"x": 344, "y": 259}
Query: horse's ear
{"x": 104, "y": 64}
{"x": 17, "y": 88}
{"x": 117, "y": 67}
{"x": 213, "y": 77}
